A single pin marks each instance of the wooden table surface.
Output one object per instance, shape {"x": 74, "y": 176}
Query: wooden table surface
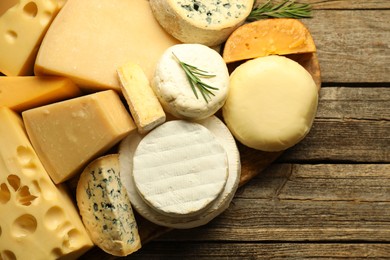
{"x": 329, "y": 196}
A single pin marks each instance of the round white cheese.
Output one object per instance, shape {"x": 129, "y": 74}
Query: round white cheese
{"x": 180, "y": 168}
{"x": 173, "y": 88}
{"x": 205, "y": 22}
{"x": 126, "y": 153}
{"x": 271, "y": 104}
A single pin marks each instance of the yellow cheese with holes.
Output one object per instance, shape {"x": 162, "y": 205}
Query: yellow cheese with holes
{"x": 143, "y": 103}
{"x": 67, "y": 135}
{"x": 21, "y": 93}
{"x": 90, "y": 39}
{"x": 38, "y": 219}
{"x": 22, "y": 28}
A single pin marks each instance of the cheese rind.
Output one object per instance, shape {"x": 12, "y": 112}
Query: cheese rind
{"x": 174, "y": 90}
{"x": 271, "y": 104}
{"x": 37, "y": 217}
{"x": 87, "y": 42}
{"x": 143, "y": 103}
{"x": 67, "y": 135}
{"x": 22, "y": 93}
{"x": 105, "y": 207}
{"x": 205, "y": 22}
{"x": 22, "y": 28}
{"x": 180, "y": 168}
{"x": 223, "y": 135}
{"x": 268, "y": 37}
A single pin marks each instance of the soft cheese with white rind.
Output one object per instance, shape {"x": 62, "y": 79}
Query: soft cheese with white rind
{"x": 174, "y": 90}
{"x": 271, "y": 104}
{"x": 205, "y": 22}
{"x": 180, "y": 168}
{"x": 126, "y": 152}
{"x": 105, "y": 207}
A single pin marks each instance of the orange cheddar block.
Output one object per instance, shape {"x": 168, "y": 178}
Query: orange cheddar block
{"x": 266, "y": 37}
{"x": 67, "y": 135}
{"x": 22, "y": 93}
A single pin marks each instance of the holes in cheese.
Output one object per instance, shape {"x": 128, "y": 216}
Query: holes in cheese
{"x": 126, "y": 153}
{"x": 266, "y": 37}
{"x": 272, "y": 103}
{"x": 22, "y": 27}
{"x": 24, "y": 201}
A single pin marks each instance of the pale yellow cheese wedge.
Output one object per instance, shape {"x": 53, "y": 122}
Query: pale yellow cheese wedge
{"x": 89, "y": 40}
{"x": 271, "y": 104}
{"x": 69, "y": 134}
{"x": 21, "y": 93}
{"x": 38, "y": 219}
{"x": 143, "y": 103}
{"x": 22, "y": 28}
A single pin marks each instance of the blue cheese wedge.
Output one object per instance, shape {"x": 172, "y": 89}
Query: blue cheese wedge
{"x": 180, "y": 168}
{"x": 174, "y": 90}
{"x": 206, "y": 22}
{"x": 127, "y": 150}
{"x": 105, "y": 207}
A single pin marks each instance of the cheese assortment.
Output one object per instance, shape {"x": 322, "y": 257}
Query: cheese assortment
{"x": 176, "y": 164}
{"x": 22, "y": 93}
{"x": 38, "y": 219}
{"x": 205, "y": 22}
{"x": 105, "y": 207}
{"x": 87, "y": 42}
{"x": 271, "y": 104}
{"x": 127, "y": 151}
{"x": 177, "y": 94}
{"x": 22, "y": 28}
{"x": 143, "y": 103}
{"x": 67, "y": 135}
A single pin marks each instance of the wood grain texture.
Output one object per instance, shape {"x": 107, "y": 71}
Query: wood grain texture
{"x": 342, "y": 4}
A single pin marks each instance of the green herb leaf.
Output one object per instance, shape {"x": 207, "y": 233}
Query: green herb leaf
{"x": 193, "y": 73}
{"x": 286, "y": 9}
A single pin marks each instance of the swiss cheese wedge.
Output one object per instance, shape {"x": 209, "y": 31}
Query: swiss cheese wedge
{"x": 266, "y": 37}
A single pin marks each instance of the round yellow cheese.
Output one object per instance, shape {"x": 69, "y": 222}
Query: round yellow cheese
{"x": 271, "y": 103}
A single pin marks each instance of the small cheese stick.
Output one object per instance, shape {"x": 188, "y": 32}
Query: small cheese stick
{"x": 144, "y": 106}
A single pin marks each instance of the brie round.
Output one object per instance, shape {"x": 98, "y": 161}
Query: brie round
{"x": 127, "y": 150}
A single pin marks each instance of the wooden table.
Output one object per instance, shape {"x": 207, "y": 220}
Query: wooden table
{"x": 329, "y": 196}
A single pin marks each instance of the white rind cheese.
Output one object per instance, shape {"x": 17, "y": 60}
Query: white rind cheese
{"x": 180, "y": 168}
{"x": 126, "y": 152}
{"x": 272, "y": 103}
{"x": 105, "y": 207}
{"x": 206, "y": 22}
{"x": 173, "y": 88}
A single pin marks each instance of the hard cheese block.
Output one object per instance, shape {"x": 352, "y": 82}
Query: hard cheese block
{"x": 21, "y": 93}
{"x": 87, "y": 42}
{"x": 38, "y": 220}
{"x": 22, "y": 28}
{"x": 68, "y": 134}
{"x": 105, "y": 207}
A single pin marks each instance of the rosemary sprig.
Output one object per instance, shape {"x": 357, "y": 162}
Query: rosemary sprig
{"x": 285, "y": 9}
{"x": 193, "y": 73}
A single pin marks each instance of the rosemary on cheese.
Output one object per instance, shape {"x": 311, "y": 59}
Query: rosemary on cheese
{"x": 285, "y": 9}
{"x": 193, "y": 73}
